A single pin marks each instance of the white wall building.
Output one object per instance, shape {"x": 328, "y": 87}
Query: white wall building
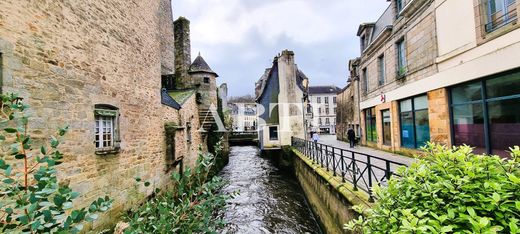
{"x": 324, "y": 106}
{"x": 244, "y": 116}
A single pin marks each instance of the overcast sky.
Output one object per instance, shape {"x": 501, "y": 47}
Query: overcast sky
{"x": 239, "y": 38}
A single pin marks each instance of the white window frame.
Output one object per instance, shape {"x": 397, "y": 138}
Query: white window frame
{"x": 382, "y": 70}
{"x": 277, "y": 133}
{"x": 401, "y": 57}
{"x": 504, "y": 9}
{"x": 106, "y": 124}
{"x": 104, "y": 127}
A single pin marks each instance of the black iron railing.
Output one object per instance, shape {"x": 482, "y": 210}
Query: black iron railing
{"x": 362, "y": 170}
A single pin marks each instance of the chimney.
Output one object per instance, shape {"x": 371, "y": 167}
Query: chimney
{"x": 181, "y": 28}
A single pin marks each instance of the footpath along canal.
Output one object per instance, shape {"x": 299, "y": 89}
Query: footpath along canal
{"x": 270, "y": 198}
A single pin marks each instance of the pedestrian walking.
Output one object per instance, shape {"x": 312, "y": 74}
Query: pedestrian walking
{"x": 315, "y": 138}
{"x": 351, "y": 137}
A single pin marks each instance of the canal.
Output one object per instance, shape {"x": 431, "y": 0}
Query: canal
{"x": 270, "y": 200}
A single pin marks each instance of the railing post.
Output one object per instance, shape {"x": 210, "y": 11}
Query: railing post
{"x": 327, "y": 157}
{"x": 388, "y": 172}
{"x": 369, "y": 170}
{"x": 342, "y": 165}
{"x": 321, "y": 154}
{"x": 333, "y": 162}
{"x": 311, "y": 150}
{"x": 354, "y": 172}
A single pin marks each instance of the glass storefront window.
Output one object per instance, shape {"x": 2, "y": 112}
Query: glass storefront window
{"x": 420, "y": 103}
{"x": 415, "y": 127}
{"x": 406, "y": 105}
{"x": 407, "y": 139}
{"x": 422, "y": 128}
{"x": 468, "y": 126}
{"x": 507, "y": 85}
{"x": 370, "y": 124}
{"x": 387, "y": 137}
{"x": 488, "y": 122}
{"x": 504, "y": 122}
{"x": 466, "y": 93}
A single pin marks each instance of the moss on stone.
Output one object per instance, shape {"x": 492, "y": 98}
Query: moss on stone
{"x": 181, "y": 96}
{"x": 345, "y": 189}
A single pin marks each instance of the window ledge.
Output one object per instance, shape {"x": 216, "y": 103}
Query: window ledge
{"x": 106, "y": 151}
{"x": 488, "y": 36}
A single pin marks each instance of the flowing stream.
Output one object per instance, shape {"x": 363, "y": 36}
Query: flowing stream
{"x": 270, "y": 199}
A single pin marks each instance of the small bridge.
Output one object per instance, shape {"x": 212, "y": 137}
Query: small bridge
{"x": 243, "y": 138}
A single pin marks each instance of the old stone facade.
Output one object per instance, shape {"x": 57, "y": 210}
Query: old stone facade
{"x": 379, "y": 68}
{"x": 347, "y": 115}
{"x": 422, "y": 76}
{"x": 281, "y": 98}
{"x": 69, "y": 59}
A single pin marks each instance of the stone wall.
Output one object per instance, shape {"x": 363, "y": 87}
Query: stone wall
{"x": 419, "y": 34}
{"x": 439, "y": 116}
{"x": 290, "y": 100}
{"x": 182, "y": 53}
{"x": 65, "y": 57}
{"x": 348, "y": 111}
{"x": 418, "y": 30}
{"x": 207, "y": 90}
{"x": 329, "y": 198}
{"x": 165, "y": 33}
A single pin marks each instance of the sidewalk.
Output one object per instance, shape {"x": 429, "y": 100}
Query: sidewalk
{"x": 331, "y": 140}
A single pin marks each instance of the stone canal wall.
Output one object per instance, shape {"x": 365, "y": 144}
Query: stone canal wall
{"x": 329, "y": 198}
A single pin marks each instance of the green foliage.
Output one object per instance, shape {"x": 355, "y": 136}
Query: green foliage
{"x": 451, "y": 191}
{"x": 31, "y": 199}
{"x": 191, "y": 207}
{"x": 214, "y": 142}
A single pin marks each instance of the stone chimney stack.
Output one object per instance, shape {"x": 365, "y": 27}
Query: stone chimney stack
{"x": 182, "y": 52}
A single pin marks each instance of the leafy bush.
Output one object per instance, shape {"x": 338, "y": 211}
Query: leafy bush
{"x": 191, "y": 207}
{"x": 452, "y": 191}
{"x": 31, "y": 200}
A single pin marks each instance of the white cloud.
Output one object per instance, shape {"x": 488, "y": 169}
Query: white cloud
{"x": 304, "y": 21}
{"x": 239, "y": 38}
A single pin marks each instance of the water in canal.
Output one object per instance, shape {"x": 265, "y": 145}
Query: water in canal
{"x": 270, "y": 199}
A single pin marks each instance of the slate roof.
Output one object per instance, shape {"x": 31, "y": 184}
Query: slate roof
{"x": 261, "y": 83}
{"x": 300, "y": 77}
{"x": 199, "y": 65}
{"x": 323, "y": 89}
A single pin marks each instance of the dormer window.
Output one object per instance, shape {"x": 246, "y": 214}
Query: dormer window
{"x": 363, "y": 45}
{"x": 399, "y": 5}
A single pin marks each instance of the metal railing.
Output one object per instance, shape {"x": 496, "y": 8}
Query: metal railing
{"x": 362, "y": 170}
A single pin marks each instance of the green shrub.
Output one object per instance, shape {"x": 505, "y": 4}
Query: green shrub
{"x": 31, "y": 200}
{"x": 451, "y": 191}
{"x": 191, "y": 207}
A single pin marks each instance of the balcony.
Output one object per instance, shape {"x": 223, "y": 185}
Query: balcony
{"x": 503, "y": 14}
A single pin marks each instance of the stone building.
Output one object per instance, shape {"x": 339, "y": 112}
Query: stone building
{"x": 281, "y": 98}
{"x": 347, "y": 115}
{"x": 322, "y": 100}
{"x": 112, "y": 80}
{"x": 425, "y": 78}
